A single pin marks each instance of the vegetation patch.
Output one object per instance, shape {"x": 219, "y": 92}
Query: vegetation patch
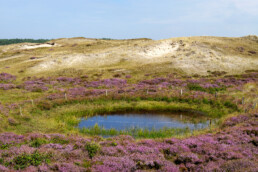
{"x": 25, "y": 160}
{"x": 16, "y": 41}
{"x": 92, "y": 149}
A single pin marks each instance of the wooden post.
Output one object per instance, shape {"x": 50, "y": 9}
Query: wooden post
{"x": 243, "y": 100}
{"x": 106, "y": 92}
{"x": 32, "y": 102}
{"x": 147, "y": 91}
{"x": 65, "y": 96}
{"x": 181, "y": 92}
{"x": 20, "y": 111}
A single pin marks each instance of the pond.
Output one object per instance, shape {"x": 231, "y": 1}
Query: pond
{"x": 148, "y": 121}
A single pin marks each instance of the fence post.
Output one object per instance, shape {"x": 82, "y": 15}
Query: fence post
{"x": 21, "y": 111}
{"x": 106, "y": 92}
{"x": 147, "y": 91}
{"x": 181, "y": 92}
{"x": 65, "y": 96}
{"x": 32, "y": 102}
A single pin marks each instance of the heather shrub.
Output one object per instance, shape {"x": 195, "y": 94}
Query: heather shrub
{"x": 65, "y": 167}
{"x": 44, "y": 105}
{"x": 238, "y": 165}
{"x": 3, "y": 168}
{"x": 187, "y": 158}
{"x": 12, "y": 122}
{"x": 92, "y": 149}
{"x": 5, "y": 77}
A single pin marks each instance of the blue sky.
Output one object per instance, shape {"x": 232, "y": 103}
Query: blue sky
{"x": 118, "y": 19}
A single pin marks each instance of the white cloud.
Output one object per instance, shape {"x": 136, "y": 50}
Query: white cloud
{"x": 205, "y": 11}
{"x": 247, "y": 6}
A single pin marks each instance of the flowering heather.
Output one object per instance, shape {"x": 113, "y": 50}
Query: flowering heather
{"x": 108, "y": 83}
{"x": 232, "y": 148}
{"x": 37, "y": 86}
{"x": 7, "y": 86}
{"x": 5, "y": 77}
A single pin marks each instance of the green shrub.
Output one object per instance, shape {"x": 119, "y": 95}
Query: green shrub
{"x": 205, "y": 101}
{"x": 113, "y": 144}
{"x": 59, "y": 140}
{"x": 25, "y": 160}
{"x": 231, "y": 105}
{"x": 38, "y": 142}
{"x": 195, "y": 87}
{"x": 212, "y": 90}
{"x": 92, "y": 149}
{"x": 4, "y": 146}
{"x": 1, "y": 161}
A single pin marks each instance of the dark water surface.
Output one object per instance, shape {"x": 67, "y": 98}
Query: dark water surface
{"x": 147, "y": 121}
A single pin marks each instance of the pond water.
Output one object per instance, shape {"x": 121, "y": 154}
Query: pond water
{"x": 146, "y": 121}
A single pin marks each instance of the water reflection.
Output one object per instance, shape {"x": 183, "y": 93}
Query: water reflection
{"x": 147, "y": 121}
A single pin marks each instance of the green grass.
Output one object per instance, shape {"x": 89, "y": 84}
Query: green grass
{"x": 64, "y": 116}
{"x": 137, "y": 132}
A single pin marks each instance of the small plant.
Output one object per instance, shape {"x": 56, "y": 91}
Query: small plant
{"x": 113, "y": 144}
{"x": 44, "y": 105}
{"x": 195, "y": 87}
{"x": 212, "y": 90}
{"x": 4, "y": 146}
{"x": 231, "y": 105}
{"x": 25, "y": 160}
{"x": 38, "y": 142}
{"x": 59, "y": 140}
{"x": 86, "y": 164}
{"x": 92, "y": 149}
{"x": 1, "y": 161}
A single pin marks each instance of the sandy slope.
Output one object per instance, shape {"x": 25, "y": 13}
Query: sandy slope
{"x": 193, "y": 55}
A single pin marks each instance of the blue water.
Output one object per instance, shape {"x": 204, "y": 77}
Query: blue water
{"x": 146, "y": 121}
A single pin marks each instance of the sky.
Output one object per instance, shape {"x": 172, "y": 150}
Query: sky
{"x": 126, "y": 19}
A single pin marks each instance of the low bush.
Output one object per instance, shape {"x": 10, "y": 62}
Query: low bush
{"x": 92, "y": 149}
{"x": 38, "y": 142}
{"x": 25, "y": 160}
